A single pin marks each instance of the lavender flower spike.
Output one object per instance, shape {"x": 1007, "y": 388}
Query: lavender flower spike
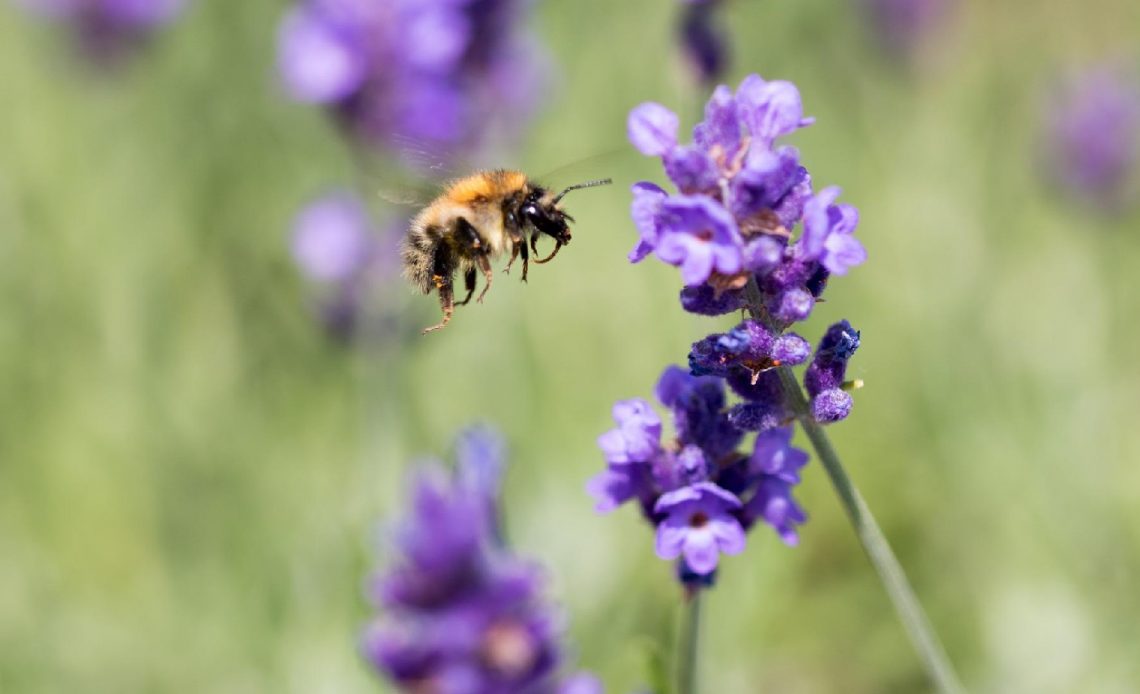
{"x": 461, "y": 613}
{"x": 731, "y": 228}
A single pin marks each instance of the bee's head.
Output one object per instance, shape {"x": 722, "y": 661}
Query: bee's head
{"x": 541, "y": 209}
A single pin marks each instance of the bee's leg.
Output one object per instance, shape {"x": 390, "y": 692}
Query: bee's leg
{"x": 514, "y": 254}
{"x": 446, "y": 303}
{"x": 488, "y": 275}
{"x": 442, "y": 269}
{"x": 547, "y": 259}
{"x": 469, "y": 284}
{"x": 525, "y": 257}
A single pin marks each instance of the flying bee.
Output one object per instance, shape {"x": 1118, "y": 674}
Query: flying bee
{"x": 477, "y": 219}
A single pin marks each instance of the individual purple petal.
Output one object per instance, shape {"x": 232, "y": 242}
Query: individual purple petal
{"x": 671, "y": 534}
{"x": 691, "y": 169}
{"x": 700, "y": 551}
{"x": 773, "y": 504}
{"x": 652, "y": 129}
{"x": 611, "y": 489}
{"x": 817, "y": 223}
{"x": 770, "y": 109}
{"x": 774, "y": 455}
{"x": 698, "y": 234}
{"x": 721, "y": 127}
{"x": 645, "y": 211}
{"x": 842, "y": 252}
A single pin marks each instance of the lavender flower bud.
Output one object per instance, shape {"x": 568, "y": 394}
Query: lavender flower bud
{"x": 824, "y": 377}
{"x": 703, "y": 41}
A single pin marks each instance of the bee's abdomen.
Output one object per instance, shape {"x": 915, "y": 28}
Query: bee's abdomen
{"x": 418, "y": 254}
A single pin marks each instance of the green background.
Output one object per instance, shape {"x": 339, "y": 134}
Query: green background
{"x": 191, "y": 472}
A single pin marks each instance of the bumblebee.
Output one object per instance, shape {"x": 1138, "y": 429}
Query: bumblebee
{"x": 475, "y": 220}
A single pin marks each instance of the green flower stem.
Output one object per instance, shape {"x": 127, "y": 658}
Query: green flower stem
{"x": 690, "y": 646}
{"x": 918, "y": 627}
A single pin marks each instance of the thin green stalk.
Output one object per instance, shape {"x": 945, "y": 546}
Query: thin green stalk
{"x": 690, "y": 646}
{"x": 918, "y": 627}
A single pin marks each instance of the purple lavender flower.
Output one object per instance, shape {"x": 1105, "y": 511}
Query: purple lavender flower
{"x": 699, "y": 524}
{"x": 694, "y": 489}
{"x": 460, "y": 612}
{"x": 830, "y": 402}
{"x": 440, "y": 75}
{"x": 828, "y": 233}
{"x": 333, "y": 238}
{"x": 773, "y": 504}
{"x": 730, "y": 227}
{"x": 337, "y": 247}
{"x": 108, "y": 30}
{"x": 1094, "y": 136}
{"x": 740, "y": 197}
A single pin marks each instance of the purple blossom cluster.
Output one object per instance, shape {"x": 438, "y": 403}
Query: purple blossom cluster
{"x": 108, "y": 29}
{"x": 731, "y": 229}
{"x": 1094, "y": 136}
{"x": 341, "y": 251}
{"x": 739, "y": 198}
{"x": 459, "y": 612}
{"x": 697, "y": 489}
{"x": 445, "y": 75}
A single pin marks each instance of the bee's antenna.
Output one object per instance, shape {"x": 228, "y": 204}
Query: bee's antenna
{"x": 587, "y": 184}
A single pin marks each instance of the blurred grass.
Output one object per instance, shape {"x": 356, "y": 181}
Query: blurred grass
{"x": 190, "y": 472}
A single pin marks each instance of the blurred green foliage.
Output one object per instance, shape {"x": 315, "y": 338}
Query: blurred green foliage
{"x": 191, "y": 472}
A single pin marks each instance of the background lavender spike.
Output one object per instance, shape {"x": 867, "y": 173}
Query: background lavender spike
{"x": 107, "y": 31}
{"x": 459, "y": 611}
{"x": 431, "y": 80}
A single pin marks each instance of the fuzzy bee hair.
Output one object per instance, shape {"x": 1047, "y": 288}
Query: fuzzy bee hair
{"x": 475, "y": 220}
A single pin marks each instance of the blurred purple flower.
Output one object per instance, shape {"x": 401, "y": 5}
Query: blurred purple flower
{"x": 338, "y": 248}
{"x": 704, "y": 41}
{"x": 444, "y": 76}
{"x": 902, "y": 26}
{"x": 1094, "y": 136}
{"x": 460, "y": 613}
{"x": 333, "y": 239}
{"x": 107, "y": 30}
